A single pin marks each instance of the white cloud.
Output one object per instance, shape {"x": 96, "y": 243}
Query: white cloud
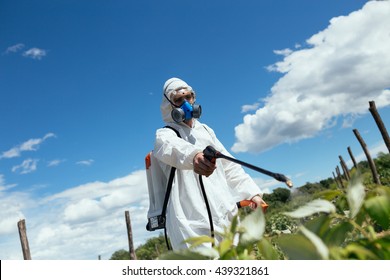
{"x": 14, "y": 152}
{"x": 35, "y": 53}
{"x": 14, "y": 49}
{"x": 3, "y": 186}
{"x": 11, "y": 211}
{"x": 248, "y": 108}
{"x": 32, "y": 144}
{"x": 111, "y": 194}
{"x": 85, "y": 162}
{"x": 267, "y": 185}
{"x": 83, "y": 210}
{"x": 29, "y": 145}
{"x": 378, "y": 148}
{"x": 347, "y": 65}
{"x": 349, "y": 120}
{"x": 284, "y": 52}
{"x": 79, "y": 223}
{"x": 55, "y": 162}
{"x": 2, "y": 182}
{"x": 27, "y": 166}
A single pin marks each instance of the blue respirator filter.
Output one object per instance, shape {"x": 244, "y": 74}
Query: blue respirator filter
{"x": 186, "y": 112}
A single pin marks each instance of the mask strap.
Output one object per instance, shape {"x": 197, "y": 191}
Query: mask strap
{"x": 174, "y": 105}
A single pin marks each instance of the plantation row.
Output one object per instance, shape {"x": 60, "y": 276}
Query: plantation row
{"x": 317, "y": 221}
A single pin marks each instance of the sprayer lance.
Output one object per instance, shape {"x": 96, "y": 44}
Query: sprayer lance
{"x": 210, "y": 153}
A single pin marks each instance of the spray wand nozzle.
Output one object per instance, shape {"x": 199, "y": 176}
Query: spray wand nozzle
{"x": 211, "y": 154}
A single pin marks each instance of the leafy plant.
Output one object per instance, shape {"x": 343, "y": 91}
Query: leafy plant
{"x": 383, "y": 163}
{"x": 120, "y": 255}
{"x": 342, "y": 224}
{"x": 251, "y": 243}
{"x": 152, "y": 249}
{"x": 355, "y": 226}
{"x": 303, "y": 224}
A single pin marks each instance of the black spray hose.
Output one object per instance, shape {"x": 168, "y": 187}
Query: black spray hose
{"x": 210, "y": 153}
{"x": 206, "y": 201}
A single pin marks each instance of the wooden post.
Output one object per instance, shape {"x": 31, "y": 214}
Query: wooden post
{"x": 24, "y": 240}
{"x": 345, "y": 168}
{"x": 380, "y": 124}
{"x": 369, "y": 159}
{"x": 339, "y": 176}
{"x": 352, "y": 157}
{"x": 130, "y": 236}
{"x": 335, "y": 179}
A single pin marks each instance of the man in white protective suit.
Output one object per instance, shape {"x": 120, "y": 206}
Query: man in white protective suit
{"x": 224, "y": 181}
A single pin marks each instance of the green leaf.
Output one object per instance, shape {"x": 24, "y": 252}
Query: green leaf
{"x": 355, "y": 251}
{"x": 245, "y": 256}
{"x": 297, "y": 247}
{"x": 338, "y": 234}
{"x": 379, "y": 209}
{"x": 234, "y": 224}
{"x": 320, "y": 246}
{"x": 384, "y": 190}
{"x": 331, "y": 235}
{"x": 225, "y": 246}
{"x": 315, "y": 206}
{"x": 229, "y": 255}
{"x": 328, "y": 194}
{"x": 355, "y": 197}
{"x": 199, "y": 240}
{"x": 319, "y": 225}
{"x": 253, "y": 226}
{"x": 382, "y": 247}
{"x": 378, "y": 247}
{"x": 266, "y": 249}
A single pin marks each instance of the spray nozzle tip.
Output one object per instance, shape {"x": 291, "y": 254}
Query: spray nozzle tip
{"x": 289, "y": 183}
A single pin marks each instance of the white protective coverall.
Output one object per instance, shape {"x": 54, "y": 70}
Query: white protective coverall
{"x": 186, "y": 213}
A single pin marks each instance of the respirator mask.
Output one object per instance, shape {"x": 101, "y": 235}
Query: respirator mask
{"x": 185, "y": 111}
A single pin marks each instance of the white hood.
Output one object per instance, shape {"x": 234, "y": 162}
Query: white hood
{"x": 169, "y": 90}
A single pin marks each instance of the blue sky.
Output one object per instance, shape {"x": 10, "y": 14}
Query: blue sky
{"x": 282, "y": 83}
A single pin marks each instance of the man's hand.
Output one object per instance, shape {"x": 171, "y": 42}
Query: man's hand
{"x": 203, "y": 166}
{"x": 258, "y": 201}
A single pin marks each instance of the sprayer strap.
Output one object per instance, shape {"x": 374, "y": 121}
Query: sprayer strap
{"x": 177, "y": 132}
{"x": 168, "y": 192}
{"x": 170, "y": 181}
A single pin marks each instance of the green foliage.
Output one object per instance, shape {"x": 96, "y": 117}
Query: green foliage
{"x": 279, "y": 194}
{"x": 349, "y": 231}
{"x": 152, "y": 249}
{"x": 342, "y": 224}
{"x": 383, "y": 164}
{"x": 315, "y": 221}
{"x": 251, "y": 243}
{"x": 327, "y": 183}
{"x": 120, "y": 255}
{"x": 279, "y": 223}
{"x": 312, "y": 188}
